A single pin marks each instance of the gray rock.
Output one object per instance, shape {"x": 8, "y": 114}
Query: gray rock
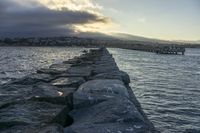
{"x": 104, "y": 87}
{"x": 104, "y": 69}
{"x": 113, "y": 115}
{"x": 84, "y": 71}
{"x": 53, "y": 128}
{"x": 35, "y": 90}
{"x": 84, "y": 63}
{"x": 50, "y": 71}
{"x": 99, "y": 62}
{"x": 60, "y": 67}
{"x": 95, "y": 91}
{"x": 125, "y": 77}
{"x": 120, "y": 75}
{"x": 107, "y": 76}
{"x": 51, "y": 94}
{"x": 83, "y": 100}
{"x": 191, "y": 131}
{"x": 26, "y": 113}
{"x": 14, "y": 93}
{"x": 111, "y": 65}
{"x": 44, "y": 90}
{"x": 33, "y": 78}
{"x": 68, "y": 81}
{"x": 67, "y": 90}
{"x": 75, "y": 60}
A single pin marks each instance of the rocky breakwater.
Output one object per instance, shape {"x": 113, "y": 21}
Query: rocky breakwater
{"x": 87, "y": 94}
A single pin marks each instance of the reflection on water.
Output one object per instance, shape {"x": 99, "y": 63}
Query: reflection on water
{"x": 166, "y": 85}
{"x": 16, "y": 62}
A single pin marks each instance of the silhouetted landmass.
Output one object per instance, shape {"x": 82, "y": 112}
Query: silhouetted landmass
{"x": 91, "y": 42}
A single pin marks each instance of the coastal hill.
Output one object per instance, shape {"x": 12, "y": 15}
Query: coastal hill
{"x": 136, "y": 39}
{"x": 90, "y": 39}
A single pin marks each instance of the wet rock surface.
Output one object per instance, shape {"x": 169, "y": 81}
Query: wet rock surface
{"x": 68, "y": 81}
{"x": 86, "y": 94}
{"x": 120, "y": 75}
{"x": 39, "y": 112}
{"x": 34, "y": 78}
{"x": 52, "y": 128}
{"x": 104, "y": 87}
{"x": 114, "y": 115}
{"x": 192, "y": 131}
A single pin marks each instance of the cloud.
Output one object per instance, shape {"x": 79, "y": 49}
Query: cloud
{"x": 46, "y": 17}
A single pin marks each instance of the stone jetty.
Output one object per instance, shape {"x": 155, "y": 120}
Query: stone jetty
{"x": 86, "y": 94}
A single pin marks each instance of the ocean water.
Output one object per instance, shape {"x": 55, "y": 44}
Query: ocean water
{"x": 167, "y": 86}
{"x": 16, "y": 62}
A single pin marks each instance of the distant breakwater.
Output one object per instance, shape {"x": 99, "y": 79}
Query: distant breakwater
{"x": 86, "y": 94}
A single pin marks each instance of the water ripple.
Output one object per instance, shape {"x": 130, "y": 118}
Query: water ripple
{"x": 167, "y": 86}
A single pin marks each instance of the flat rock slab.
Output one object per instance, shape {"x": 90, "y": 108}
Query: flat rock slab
{"x": 68, "y": 82}
{"x": 50, "y": 71}
{"x": 120, "y": 75}
{"x": 35, "y": 90}
{"x": 84, "y": 71}
{"x": 104, "y": 87}
{"x": 55, "y": 128}
{"x": 104, "y": 69}
{"x": 26, "y": 113}
{"x": 75, "y": 60}
{"x": 60, "y": 67}
{"x": 112, "y": 61}
{"x": 33, "y": 78}
{"x": 14, "y": 93}
{"x": 85, "y": 63}
{"x": 51, "y": 129}
{"x": 111, "y": 116}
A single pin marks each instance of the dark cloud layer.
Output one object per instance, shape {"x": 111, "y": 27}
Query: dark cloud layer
{"x": 27, "y": 20}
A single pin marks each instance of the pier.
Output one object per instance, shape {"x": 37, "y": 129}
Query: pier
{"x": 170, "y": 50}
{"x": 86, "y": 94}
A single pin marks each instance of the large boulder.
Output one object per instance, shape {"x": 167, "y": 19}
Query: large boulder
{"x": 13, "y": 93}
{"x": 120, "y": 75}
{"x": 31, "y": 113}
{"x": 110, "y": 116}
{"x": 104, "y": 69}
{"x": 80, "y": 71}
{"x": 83, "y": 100}
{"x": 104, "y": 87}
{"x": 95, "y": 91}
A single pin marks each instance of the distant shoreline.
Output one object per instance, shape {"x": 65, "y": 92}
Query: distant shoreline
{"x": 89, "y": 43}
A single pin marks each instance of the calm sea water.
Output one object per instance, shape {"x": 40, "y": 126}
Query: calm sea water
{"x": 16, "y": 62}
{"x": 167, "y": 86}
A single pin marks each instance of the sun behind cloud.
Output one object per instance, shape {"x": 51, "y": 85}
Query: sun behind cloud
{"x": 50, "y": 17}
{"x": 104, "y": 24}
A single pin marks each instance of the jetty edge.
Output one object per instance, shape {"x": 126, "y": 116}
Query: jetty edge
{"x": 86, "y": 94}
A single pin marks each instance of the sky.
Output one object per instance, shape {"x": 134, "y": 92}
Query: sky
{"x": 161, "y": 19}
